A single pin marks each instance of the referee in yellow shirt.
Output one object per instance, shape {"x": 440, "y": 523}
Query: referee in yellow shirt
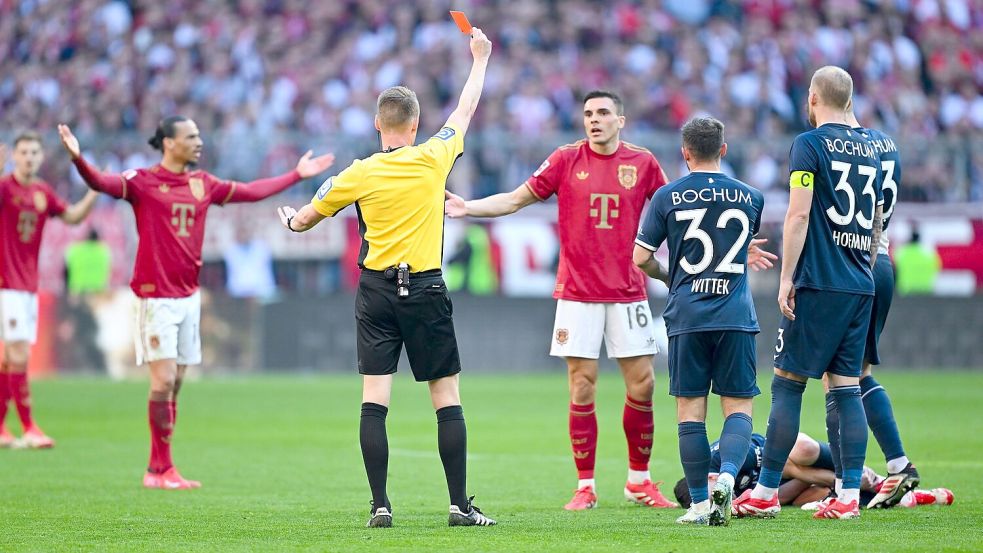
{"x": 402, "y": 300}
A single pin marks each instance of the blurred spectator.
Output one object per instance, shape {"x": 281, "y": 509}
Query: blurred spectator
{"x": 87, "y": 265}
{"x": 917, "y": 266}
{"x": 249, "y": 267}
{"x": 258, "y": 72}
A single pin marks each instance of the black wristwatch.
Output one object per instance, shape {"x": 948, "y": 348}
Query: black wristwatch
{"x": 289, "y": 226}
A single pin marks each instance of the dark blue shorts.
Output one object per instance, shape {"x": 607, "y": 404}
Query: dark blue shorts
{"x": 883, "y": 294}
{"x": 723, "y": 358}
{"x": 825, "y": 459}
{"x": 828, "y": 334}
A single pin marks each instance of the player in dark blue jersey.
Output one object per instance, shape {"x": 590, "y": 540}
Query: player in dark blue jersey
{"x": 877, "y": 405}
{"x": 708, "y": 220}
{"x": 826, "y": 290}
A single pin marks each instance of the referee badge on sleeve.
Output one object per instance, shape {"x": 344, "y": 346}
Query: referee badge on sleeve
{"x": 325, "y": 188}
{"x": 445, "y": 133}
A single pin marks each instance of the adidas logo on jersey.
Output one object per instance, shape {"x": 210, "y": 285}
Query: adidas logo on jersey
{"x": 583, "y": 175}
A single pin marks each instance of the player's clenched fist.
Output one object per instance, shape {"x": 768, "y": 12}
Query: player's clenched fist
{"x": 481, "y": 47}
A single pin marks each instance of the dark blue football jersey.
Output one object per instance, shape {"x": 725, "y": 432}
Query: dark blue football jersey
{"x": 843, "y": 169}
{"x": 708, "y": 220}
{"x": 890, "y": 165}
{"x": 747, "y": 474}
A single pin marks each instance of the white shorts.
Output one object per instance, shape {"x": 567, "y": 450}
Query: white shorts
{"x": 167, "y": 328}
{"x": 626, "y": 328}
{"x": 19, "y": 314}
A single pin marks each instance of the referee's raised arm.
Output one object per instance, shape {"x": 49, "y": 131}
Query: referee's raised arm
{"x": 481, "y": 49}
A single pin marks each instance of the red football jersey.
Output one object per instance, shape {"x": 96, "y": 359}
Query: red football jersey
{"x": 601, "y": 198}
{"x": 24, "y": 210}
{"x": 170, "y": 211}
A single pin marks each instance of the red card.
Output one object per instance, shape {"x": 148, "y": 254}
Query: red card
{"x": 462, "y": 22}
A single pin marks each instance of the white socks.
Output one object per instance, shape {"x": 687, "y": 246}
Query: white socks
{"x": 584, "y": 482}
{"x": 838, "y": 487}
{"x": 761, "y": 492}
{"x": 895, "y": 466}
{"x": 701, "y": 507}
{"x": 848, "y": 495}
{"x": 638, "y": 476}
{"x": 726, "y": 478}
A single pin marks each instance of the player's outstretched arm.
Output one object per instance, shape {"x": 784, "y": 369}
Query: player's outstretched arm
{"x": 481, "y": 49}
{"x": 77, "y": 212}
{"x": 645, "y": 260}
{"x": 495, "y": 205}
{"x": 794, "y": 239}
{"x": 308, "y": 166}
{"x": 299, "y": 221}
{"x": 114, "y": 185}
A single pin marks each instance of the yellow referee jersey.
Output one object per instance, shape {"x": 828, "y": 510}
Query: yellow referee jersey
{"x": 399, "y": 198}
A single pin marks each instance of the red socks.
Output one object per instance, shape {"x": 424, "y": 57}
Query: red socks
{"x": 639, "y": 427}
{"x": 4, "y": 393}
{"x": 583, "y": 438}
{"x": 161, "y": 415}
{"x": 21, "y": 394}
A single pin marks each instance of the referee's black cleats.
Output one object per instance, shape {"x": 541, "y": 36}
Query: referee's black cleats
{"x": 381, "y": 518}
{"x": 474, "y": 516}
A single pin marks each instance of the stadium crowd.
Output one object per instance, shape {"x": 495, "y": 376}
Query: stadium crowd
{"x": 253, "y": 69}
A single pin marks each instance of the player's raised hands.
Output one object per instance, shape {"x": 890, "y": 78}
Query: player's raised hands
{"x": 454, "y": 206}
{"x": 786, "y": 299}
{"x": 757, "y": 258}
{"x": 308, "y": 166}
{"x": 69, "y": 141}
{"x": 481, "y": 47}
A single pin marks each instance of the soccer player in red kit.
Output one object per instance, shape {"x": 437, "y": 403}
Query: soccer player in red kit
{"x": 602, "y": 184}
{"x": 26, "y": 204}
{"x": 170, "y": 201}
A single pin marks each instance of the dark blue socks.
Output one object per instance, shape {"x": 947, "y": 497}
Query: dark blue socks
{"x": 880, "y": 417}
{"x": 735, "y": 440}
{"x": 853, "y": 433}
{"x": 694, "y": 452}
{"x": 783, "y": 428}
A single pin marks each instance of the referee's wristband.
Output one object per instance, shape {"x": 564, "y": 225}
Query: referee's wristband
{"x": 289, "y": 225}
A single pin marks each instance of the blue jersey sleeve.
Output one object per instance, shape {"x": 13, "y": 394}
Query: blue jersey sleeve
{"x": 803, "y": 156}
{"x": 652, "y": 232}
{"x": 759, "y": 204}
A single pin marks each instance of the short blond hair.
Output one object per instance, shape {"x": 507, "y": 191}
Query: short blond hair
{"x": 397, "y": 107}
{"x": 834, "y": 86}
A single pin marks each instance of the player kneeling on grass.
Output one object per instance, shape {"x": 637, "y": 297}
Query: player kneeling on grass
{"x": 807, "y": 477}
{"x": 708, "y": 220}
{"x": 170, "y": 201}
{"x": 26, "y": 204}
{"x": 402, "y": 298}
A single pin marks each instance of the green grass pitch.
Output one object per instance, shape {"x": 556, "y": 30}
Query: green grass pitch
{"x": 279, "y": 460}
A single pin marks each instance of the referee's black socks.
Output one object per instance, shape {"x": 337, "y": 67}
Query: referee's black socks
{"x": 452, "y": 442}
{"x": 375, "y": 451}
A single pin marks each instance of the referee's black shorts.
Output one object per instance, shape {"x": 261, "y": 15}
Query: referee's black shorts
{"x": 422, "y": 321}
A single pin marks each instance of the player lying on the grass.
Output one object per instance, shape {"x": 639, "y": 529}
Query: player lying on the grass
{"x": 807, "y": 477}
{"x": 170, "y": 201}
{"x": 825, "y": 290}
{"x": 26, "y": 205}
{"x": 708, "y": 220}
{"x": 877, "y": 405}
{"x": 602, "y": 184}
{"x": 402, "y": 298}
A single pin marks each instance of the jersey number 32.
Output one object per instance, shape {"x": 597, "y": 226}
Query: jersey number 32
{"x": 693, "y": 231}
